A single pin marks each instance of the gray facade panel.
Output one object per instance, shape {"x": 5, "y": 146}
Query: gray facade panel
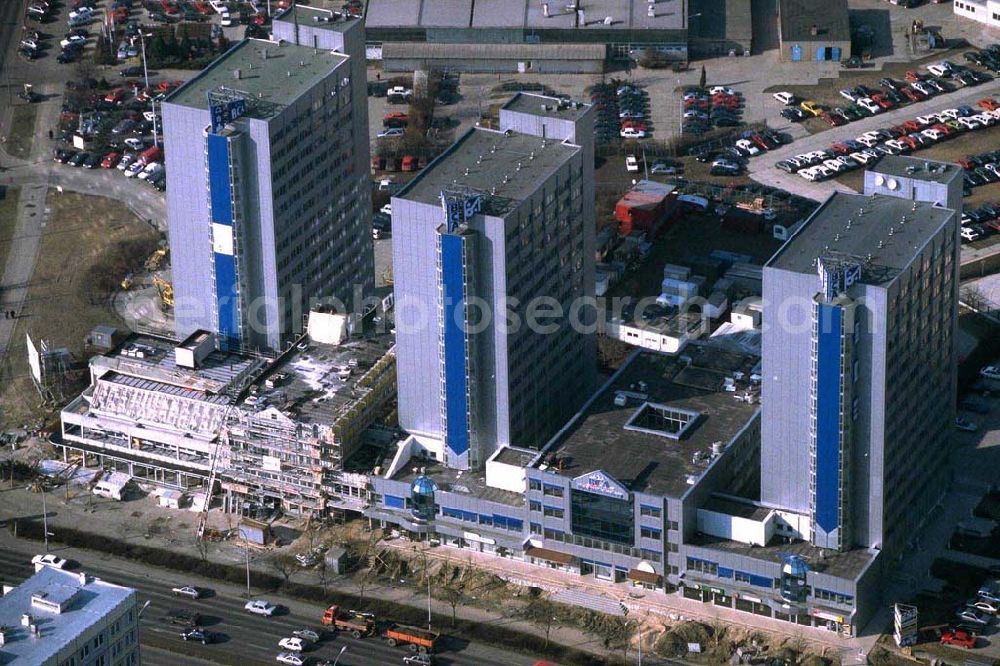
{"x": 188, "y": 223}
{"x": 417, "y": 319}
{"x": 785, "y": 388}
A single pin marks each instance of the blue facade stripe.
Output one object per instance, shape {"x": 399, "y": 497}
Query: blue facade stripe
{"x": 725, "y": 572}
{"x": 761, "y": 581}
{"x": 455, "y": 363}
{"x": 394, "y": 502}
{"x": 221, "y": 211}
{"x": 220, "y": 190}
{"x": 828, "y": 375}
{"x": 225, "y": 294}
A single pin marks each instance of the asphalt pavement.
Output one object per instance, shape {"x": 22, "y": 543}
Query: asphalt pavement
{"x": 248, "y": 640}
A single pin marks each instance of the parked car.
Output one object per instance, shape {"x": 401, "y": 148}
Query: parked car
{"x": 184, "y": 617}
{"x": 973, "y": 616}
{"x": 293, "y": 644}
{"x": 785, "y": 97}
{"x": 291, "y": 658}
{"x": 959, "y": 638}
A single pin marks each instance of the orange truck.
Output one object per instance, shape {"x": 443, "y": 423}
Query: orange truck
{"x": 353, "y": 622}
{"x": 419, "y": 640}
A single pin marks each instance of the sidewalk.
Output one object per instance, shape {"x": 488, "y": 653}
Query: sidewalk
{"x": 673, "y": 607}
{"x": 113, "y": 518}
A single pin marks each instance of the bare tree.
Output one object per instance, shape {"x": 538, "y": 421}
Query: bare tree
{"x": 283, "y": 564}
{"x": 453, "y": 596}
{"x": 542, "y": 612}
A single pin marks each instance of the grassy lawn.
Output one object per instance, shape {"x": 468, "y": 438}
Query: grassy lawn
{"x": 8, "y": 220}
{"x": 87, "y": 246}
{"x": 22, "y": 130}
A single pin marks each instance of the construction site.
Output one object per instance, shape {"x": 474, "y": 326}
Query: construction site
{"x": 256, "y": 435}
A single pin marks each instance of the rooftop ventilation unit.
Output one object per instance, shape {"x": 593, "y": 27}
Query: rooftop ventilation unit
{"x": 651, "y": 11}
{"x": 609, "y": 20}
{"x": 545, "y": 9}
{"x": 237, "y": 74}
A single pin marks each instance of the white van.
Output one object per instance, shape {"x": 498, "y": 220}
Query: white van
{"x": 113, "y": 486}
{"x": 227, "y": 19}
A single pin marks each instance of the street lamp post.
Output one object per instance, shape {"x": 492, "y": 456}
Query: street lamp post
{"x": 145, "y": 76}
{"x": 246, "y": 546}
{"x": 45, "y": 519}
{"x": 426, "y": 573}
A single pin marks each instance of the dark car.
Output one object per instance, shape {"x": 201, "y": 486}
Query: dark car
{"x": 93, "y": 161}
{"x": 132, "y": 72}
{"x": 888, "y": 84}
{"x": 199, "y": 636}
{"x": 63, "y": 155}
{"x": 78, "y": 159}
{"x": 852, "y": 63}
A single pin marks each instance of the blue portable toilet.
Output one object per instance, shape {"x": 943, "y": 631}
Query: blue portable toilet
{"x": 821, "y": 53}
{"x": 835, "y": 53}
{"x": 796, "y": 53}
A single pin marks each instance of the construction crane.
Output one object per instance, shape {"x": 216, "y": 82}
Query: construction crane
{"x": 166, "y": 291}
{"x": 155, "y": 260}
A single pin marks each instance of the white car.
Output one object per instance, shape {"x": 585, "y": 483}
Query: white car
{"x": 811, "y": 174}
{"x": 632, "y": 133}
{"x": 391, "y": 132}
{"x": 835, "y": 166}
{"x": 969, "y": 123}
{"x": 969, "y": 234}
{"x": 186, "y": 591}
{"x": 125, "y": 162}
{"x": 135, "y": 143}
{"x": 950, "y": 114}
{"x": 848, "y": 162}
{"x": 49, "y": 560}
{"x": 260, "y": 607}
{"x": 922, "y": 87}
{"x": 149, "y": 115}
{"x": 134, "y": 169}
{"x": 631, "y": 163}
{"x": 937, "y": 69}
{"x": 990, "y": 372}
{"x": 81, "y": 13}
{"x": 867, "y": 141}
{"x": 721, "y": 90}
{"x": 151, "y": 170}
{"x": 386, "y": 209}
{"x": 693, "y": 96}
{"x": 307, "y": 634}
{"x": 985, "y": 606}
{"x": 418, "y": 660}
{"x": 694, "y": 113}
{"x": 291, "y": 658}
{"x": 785, "y": 98}
{"x": 748, "y": 147}
{"x": 861, "y": 157}
{"x": 294, "y": 644}
{"x": 868, "y": 104}
{"x": 227, "y": 19}
{"x": 72, "y": 39}
{"x": 847, "y": 94}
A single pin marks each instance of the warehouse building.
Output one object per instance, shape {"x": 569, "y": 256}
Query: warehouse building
{"x": 813, "y": 30}
{"x": 524, "y": 35}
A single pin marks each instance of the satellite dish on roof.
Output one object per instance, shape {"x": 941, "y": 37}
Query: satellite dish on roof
{"x": 893, "y": 184}
{"x": 879, "y": 180}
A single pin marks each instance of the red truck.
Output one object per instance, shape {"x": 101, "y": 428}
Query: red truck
{"x": 419, "y": 640}
{"x": 150, "y": 155}
{"x": 357, "y": 624}
{"x": 959, "y": 637}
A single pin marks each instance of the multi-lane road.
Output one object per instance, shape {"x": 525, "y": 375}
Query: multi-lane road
{"x": 248, "y": 640}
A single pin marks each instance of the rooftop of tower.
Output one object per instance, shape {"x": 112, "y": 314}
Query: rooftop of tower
{"x": 271, "y": 74}
{"x": 884, "y": 232}
{"x": 504, "y": 167}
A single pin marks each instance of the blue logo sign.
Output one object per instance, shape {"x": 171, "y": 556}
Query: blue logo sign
{"x": 226, "y": 113}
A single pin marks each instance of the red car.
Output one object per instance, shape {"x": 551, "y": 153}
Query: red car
{"x": 912, "y": 95}
{"x": 841, "y": 149}
{"x": 994, "y": 225}
{"x": 832, "y": 120}
{"x": 116, "y": 96}
{"x": 909, "y": 141}
{"x": 882, "y": 101}
{"x": 634, "y": 124}
{"x": 913, "y": 76}
{"x": 724, "y": 98}
{"x": 965, "y": 163}
{"x": 110, "y": 160}
{"x": 696, "y": 104}
{"x": 960, "y": 638}
{"x": 988, "y": 104}
{"x": 944, "y": 129}
{"x": 912, "y": 126}
{"x": 202, "y": 8}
